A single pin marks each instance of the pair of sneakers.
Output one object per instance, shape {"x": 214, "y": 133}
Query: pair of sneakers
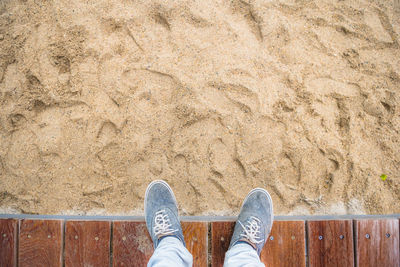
{"x": 252, "y": 226}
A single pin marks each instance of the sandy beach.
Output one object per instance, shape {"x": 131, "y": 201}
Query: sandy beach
{"x": 99, "y": 98}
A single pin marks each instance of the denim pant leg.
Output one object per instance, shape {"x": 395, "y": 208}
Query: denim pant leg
{"x": 170, "y": 252}
{"x": 242, "y": 255}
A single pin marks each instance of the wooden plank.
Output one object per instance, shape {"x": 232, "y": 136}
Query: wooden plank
{"x": 132, "y": 245}
{"x": 87, "y": 243}
{"x": 285, "y": 245}
{"x": 330, "y": 243}
{"x": 8, "y": 242}
{"x": 377, "y": 242}
{"x": 221, "y": 233}
{"x": 40, "y": 243}
{"x": 287, "y": 248}
{"x": 196, "y": 234}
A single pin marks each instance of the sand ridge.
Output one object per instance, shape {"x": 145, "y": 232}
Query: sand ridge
{"x": 98, "y": 98}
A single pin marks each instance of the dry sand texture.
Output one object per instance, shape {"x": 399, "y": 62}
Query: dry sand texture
{"x": 98, "y": 98}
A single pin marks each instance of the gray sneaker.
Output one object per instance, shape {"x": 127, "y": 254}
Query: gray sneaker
{"x": 255, "y": 220}
{"x": 161, "y": 212}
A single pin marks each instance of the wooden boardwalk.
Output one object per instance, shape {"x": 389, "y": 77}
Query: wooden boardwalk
{"x": 34, "y": 242}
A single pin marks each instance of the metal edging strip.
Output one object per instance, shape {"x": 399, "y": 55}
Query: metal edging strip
{"x": 208, "y": 218}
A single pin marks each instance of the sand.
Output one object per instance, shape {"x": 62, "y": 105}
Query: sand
{"x": 99, "y": 98}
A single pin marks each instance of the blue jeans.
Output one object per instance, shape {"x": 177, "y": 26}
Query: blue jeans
{"x": 171, "y": 252}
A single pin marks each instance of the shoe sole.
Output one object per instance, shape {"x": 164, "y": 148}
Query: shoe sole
{"x": 262, "y": 190}
{"x": 158, "y": 182}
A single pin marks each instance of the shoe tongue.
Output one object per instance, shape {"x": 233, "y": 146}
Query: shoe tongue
{"x": 254, "y": 219}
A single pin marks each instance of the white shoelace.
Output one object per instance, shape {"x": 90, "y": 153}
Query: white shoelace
{"x": 252, "y": 230}
{"x": 162, "y": 226}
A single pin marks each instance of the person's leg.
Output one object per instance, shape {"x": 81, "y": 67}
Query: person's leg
{"x": 170, "y": 252}
{"x": 251, "y": 230}
{"x": 161, "y": 214}
{"x": 242, "y": 255}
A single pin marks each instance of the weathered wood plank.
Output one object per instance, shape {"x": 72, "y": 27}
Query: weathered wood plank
{"x": 132, "y": 245}
{"x": 221, "y": 233}
{"x": 195, "y": 234}
{"x": 330, "y": 243}
{"x": 377, "y": 242}
{"x": 87, "y": 243}
{"x": 8, "y": 242}
{"x": 40, "y": 243}
{"x": 285, "y": 245}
